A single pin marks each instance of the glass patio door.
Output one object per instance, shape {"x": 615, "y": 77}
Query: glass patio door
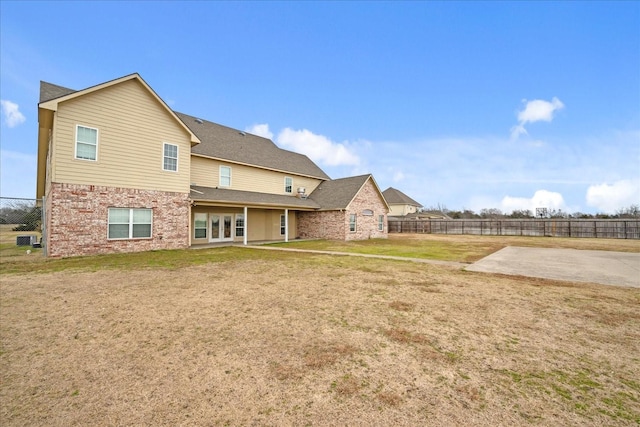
{"x": 221, "y": 229}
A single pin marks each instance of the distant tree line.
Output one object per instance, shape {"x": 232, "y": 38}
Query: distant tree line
{"x": 632, "y": 211}
{"x": 24, "y": 216}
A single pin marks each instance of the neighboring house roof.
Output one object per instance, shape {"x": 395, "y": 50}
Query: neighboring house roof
{"x": 338, "y": 193}
{"x": 427, "y": 215}
{"x": 220, "y": 195}
{"x": 225, "y": 143}
{"x": 397, "y": 197}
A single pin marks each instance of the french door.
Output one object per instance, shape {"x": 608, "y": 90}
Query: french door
{"x": 221, "y": 227}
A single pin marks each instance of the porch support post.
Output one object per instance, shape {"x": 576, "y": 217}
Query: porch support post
{"x": 246, "y": 229}
{"x": 286, "y": 225}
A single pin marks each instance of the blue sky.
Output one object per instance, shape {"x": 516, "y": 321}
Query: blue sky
{"x": 509, "y": 105}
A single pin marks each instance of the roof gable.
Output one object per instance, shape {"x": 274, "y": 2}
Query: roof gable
{"x": 51, "y": 95}
{"x": 225, "y": 143}
{"x": 339, "y": 193}
{"x": 397, "y": 197}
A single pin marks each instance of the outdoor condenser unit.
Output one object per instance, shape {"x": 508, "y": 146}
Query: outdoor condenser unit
{"x": 26, "y": 240}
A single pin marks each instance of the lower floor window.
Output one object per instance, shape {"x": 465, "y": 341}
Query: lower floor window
{"x": 239, "y": 225}
{"x": 283, "y": 225}
{"x": 352, "y": 223}
{"x": 126, "y": 223}
{"x": 200, "y": 226}
{"x": 380, "y": 222}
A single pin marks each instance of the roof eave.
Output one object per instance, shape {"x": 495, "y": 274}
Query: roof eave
{"x": 52, "y": 104}
{"x": 235, "y": 162}
{"x": 252, "y": 205}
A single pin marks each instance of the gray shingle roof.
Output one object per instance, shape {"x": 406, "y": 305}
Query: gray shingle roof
{"x": 49, "y": 91}
{"x": 338, "y": 193}
{"x": 222, "y": 142}
{"x": 220, "y": 195}
{"x": 396, "y": 197}
{"x": 225, "y": 143}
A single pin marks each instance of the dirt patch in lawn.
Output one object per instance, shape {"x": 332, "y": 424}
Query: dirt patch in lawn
{"x": 315, "y": 340}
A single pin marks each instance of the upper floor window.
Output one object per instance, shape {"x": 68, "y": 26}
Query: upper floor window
{"x": 288, "y": 184}
{"x": 86, "y": 143}
{"x": 170, "y": 158}
{"x": 225, "y": 176}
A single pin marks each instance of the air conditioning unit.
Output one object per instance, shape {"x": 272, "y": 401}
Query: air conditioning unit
{"x": 26, "y": 240}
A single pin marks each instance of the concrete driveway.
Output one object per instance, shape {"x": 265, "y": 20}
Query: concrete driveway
{"x": 607, "y": 268}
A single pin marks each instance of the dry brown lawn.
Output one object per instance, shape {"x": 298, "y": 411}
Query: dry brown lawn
{"x": 301, "y": 339}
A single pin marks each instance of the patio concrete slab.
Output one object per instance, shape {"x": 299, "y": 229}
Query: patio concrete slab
{"x": 603, "y": 267}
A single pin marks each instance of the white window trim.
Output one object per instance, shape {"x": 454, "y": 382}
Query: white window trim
{"x": 75, "y": 147}
{"x": 235, "y": 225}
{"x": 355, "y": 223}
{"x": 130, "y": 225}
{"x": 285, "y": 185}
{"x": 220, "y": 176}
{"x": 164, "y": 145}
{"x": 380, "y": 222}
{"x": 197, "y": 215}
{"x": 283, "y": 225}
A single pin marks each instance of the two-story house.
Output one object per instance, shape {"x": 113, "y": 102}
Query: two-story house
{"x": 120, "y": 171}
{"x": 399, "y": 203}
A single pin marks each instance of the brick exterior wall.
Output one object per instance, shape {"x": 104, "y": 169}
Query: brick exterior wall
{"x": 334, "y": 225}
{"x": 367, "y": 226}
{"x": 77, "y": 219}
{"x": 321, "y": 225}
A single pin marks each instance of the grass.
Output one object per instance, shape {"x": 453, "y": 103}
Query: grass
{"x": 235, "y": 336}
{"x": 463, "y": 248}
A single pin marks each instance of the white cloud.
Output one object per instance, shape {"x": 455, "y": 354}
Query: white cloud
{"x": 535, "y": 111}
{"x": 11, "y": 113}
{"x": 540, "y": 199}
{"x": 610, "y": 198}
{"x": 398, "y": 176}
{"x": 261, "y": 129}
{"x": 319, "y": 148}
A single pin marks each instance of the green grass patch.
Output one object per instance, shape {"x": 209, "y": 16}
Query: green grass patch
{"x": 410, "y": 248}
{"x": 583, "y": 389}
{"x": 164, "y": 259}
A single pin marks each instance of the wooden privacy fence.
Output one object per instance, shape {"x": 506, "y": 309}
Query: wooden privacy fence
{"x": 598, "y": 228}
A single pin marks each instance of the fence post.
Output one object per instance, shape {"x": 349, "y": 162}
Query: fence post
{"x": 625, "y": 229}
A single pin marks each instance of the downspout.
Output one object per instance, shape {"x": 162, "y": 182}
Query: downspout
{"x": 286, "y": 225}
{"x": 246, "y": 226}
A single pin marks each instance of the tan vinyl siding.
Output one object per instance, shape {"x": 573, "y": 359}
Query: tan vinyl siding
{"x": 206, "y": 173}
{"x": 397, "y": 210}
{"x": 263, "y": 224}
{"x": 132, "y": 127}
